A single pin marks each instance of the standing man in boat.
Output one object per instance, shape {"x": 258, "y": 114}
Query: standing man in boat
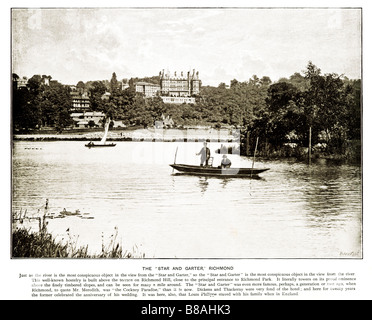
{"x": 205, "y": 154}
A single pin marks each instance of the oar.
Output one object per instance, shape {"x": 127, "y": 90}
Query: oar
{"x": 175, "y": 156}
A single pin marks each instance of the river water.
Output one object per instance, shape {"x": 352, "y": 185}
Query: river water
{"x": 130, "y": 192}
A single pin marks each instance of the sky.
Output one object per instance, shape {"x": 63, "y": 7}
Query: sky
{"x": 73, "y": 45}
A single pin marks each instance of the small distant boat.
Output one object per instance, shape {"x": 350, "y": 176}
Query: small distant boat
{"x": 217, "y": 171}
{"x": 102, "y": 143}
{"x": 64, "y": 213}
{"x": 99, "y": 144}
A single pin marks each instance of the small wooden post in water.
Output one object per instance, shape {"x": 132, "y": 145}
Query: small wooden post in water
{"x": 254, "y": 154}
{"x": 247, "y": 144}
{"x": 310, "y": 145}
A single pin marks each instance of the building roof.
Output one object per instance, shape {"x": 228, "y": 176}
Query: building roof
{"x": 94, "y": 113}
{"x": 141, "y": 83}
{"x": 89, "y": 113}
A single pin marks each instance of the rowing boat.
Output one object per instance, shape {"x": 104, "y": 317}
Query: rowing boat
{"x": 99, "y": 145}
{"x": 216, "y": 171}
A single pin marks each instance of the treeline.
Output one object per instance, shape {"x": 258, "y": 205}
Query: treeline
{"x": 327, "y": 105}
{"x": 324, "y": 109}
{"x": 125, "y": 105}
{"x": 46, "y": 103}
{"x": 277, "y": 112}
{"x": 41, "y": 103}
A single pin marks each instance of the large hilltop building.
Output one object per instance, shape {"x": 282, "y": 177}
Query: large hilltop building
{"x": 173, "y": 88}
{"x": 182, "y": 85}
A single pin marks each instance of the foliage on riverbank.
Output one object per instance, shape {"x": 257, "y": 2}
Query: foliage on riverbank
{"x": 349, "y": 151}
{"x": 41, "y": 244}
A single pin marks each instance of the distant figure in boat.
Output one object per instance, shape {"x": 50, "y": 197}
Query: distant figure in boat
{"x": 225, "y": 162}
{"x": 205, "y": 154}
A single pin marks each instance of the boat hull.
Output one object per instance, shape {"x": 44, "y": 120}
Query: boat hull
{"x": 218, "y": 172}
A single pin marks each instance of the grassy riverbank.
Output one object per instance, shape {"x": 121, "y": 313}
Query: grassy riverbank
{"x": 41, "y": 244}
{"x": 350, "y": 151}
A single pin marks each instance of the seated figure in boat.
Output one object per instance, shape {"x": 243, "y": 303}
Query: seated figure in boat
{"x": 205, "y": 154}
{"x": 225, "y": 162}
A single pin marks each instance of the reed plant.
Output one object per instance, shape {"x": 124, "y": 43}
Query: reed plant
{"x": 41, "y": 244}
{"x": 28, "y": 244}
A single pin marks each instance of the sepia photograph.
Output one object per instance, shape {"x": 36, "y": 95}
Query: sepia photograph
{"x": 186, "y": 133}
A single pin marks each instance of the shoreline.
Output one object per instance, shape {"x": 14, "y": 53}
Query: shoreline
{"x": 353, "y": 154}
{"x": 149, "y": 135}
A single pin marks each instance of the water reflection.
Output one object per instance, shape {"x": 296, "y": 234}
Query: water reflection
{"x": 203, "y": 184}
{"x": 331, "y": 204}
{"x": 329, "y": 190}
{"x": 225, "y": 182}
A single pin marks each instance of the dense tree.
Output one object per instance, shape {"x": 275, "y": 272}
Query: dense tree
{"x": 96, "y": 91}
{"x": 298, "y": 81}
{"x": 282, "y": 113}
{"x": 153, "y": 80}
{"x": 41, "y": 104}
{"x": 265, "y": 81}
{"x": 114, "y": 84}
{"x": 80, "y": 86}
{"x": 353, "y": 110}
{"x": 55, "y": 104}
{"x": 316, "y": 103}
{"x": 325, "y": 106}
{"x": 238, "y": 106}
{"x": 26, "y": 114}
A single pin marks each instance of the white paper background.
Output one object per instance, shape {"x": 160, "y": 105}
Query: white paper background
{"x": 12, "y": 288}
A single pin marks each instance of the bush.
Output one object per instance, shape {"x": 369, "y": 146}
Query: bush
{"x": 27, "y": 244}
